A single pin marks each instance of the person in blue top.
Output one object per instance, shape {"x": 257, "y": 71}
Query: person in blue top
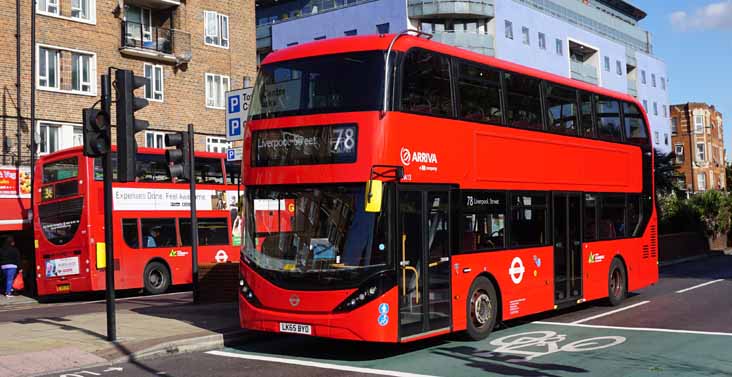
{"x": 151, "y": 240}
{"x": 9, "y": 263}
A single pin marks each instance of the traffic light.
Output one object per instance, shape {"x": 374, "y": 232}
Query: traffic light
{"x": 96, "y": 139}
{"x": 127, "y": 125}
{"x": 179, "y": 161}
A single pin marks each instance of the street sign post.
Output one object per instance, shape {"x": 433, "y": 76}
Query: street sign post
{"x": 237, "y": 109}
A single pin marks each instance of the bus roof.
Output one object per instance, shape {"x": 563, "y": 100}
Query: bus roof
{"x": 60, "y": 154}
{"x": 404, "y": 43}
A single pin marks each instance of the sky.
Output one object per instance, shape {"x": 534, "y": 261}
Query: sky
{"x": 694, "y": 38}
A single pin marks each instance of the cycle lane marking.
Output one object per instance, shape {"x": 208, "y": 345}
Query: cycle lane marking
{"x": 650, "y": 329}
{"x": 699, "y": 285}
{"x": 610, "y": 312}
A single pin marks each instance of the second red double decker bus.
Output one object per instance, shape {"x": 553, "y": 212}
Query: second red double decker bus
{"x": 398, "y": 189}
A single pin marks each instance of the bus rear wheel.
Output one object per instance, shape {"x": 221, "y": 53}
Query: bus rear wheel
{"x": 482, "y": 307}
{"x": 156, "y": 278}
{"x": 617, "y": 283}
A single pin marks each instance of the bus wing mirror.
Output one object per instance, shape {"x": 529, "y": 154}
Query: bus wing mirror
{"x": 374, "y": 193}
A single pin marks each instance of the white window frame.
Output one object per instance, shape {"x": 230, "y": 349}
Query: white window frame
{"x": 701, "y": 181}
{"x": 679, "y": 151}
{"x": 80, "y": 69}
{"x": 59, "y": 50}
{"x": 698, "y": 126}
{"x": 559, "y": 47}
{"x": 508, "y": 32}
{"x": 701, "y": 154}
{"x": 606, "y": 63}
{"x": 44, "y": 76}
{"x": 643, "y": 77}
{"x": 211, "y": 96}
{"x": 156, "y": 88}
{"x": 91, "y": 17}
{"x": 526, "y": 35}
{"x": 674, "y": 126}
{"x": 217, "y": 144}
{"x": 157, "y": 136}
{"x": 618, "y": 68}
{"x": 653, "y": 80}
{"x": 66, "y": 133}
{"x": 542, "y": 41}
{"x": 218, "y": 33}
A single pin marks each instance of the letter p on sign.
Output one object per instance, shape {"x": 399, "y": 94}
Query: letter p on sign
{"x": 234, "y": 104}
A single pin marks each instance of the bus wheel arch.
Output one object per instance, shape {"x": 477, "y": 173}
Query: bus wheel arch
{"x": 157, "y": 276}
{"x": 617, "y": 282}
{"x": 483, "y": 307}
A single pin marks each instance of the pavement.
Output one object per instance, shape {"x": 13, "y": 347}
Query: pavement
{"x": 41, "y": 338}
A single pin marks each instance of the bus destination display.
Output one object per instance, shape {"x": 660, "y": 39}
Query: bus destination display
{"x": 331, "y": 144}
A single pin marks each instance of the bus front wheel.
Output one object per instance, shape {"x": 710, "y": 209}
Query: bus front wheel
{"x": 156, "y": 278}
{"x": 482, "y": 308}
{"x": 617, "y": 283}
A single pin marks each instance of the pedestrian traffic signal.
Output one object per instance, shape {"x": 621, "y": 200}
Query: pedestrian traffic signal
{"x": 179, "y": 159}
{"x": 95, "y": 132}
{"x": 127, "y": 125}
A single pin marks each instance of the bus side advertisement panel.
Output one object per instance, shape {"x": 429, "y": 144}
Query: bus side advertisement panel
{"x": 524, "y": 278}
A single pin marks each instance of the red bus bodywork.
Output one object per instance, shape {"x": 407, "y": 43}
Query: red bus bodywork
{"x": 469, "y": 156}
{"x": 86, "y": 247}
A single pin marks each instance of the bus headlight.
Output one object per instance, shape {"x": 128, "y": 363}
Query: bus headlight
{"x": 371, "y": 289}
{"x": 247, "y": 292}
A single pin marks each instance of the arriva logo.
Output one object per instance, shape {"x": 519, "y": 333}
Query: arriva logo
{"x": 421, "y": 157}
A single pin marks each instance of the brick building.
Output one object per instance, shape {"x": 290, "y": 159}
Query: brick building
{"x": 192, "y": 50}
{"x": 698, "y": 141}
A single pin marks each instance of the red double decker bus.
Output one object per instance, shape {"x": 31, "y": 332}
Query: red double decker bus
{"x": 152, "y": 238}
{"x": 398, "y": 188}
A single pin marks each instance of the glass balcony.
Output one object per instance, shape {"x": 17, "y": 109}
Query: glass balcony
{"x": 264, "y": 37}
{"x": 155, "y": 42}
{"x": 584, "y": 72}
{"x": 481, "y": 43}
{"x": 633, "y": 88}
{"x": 451, "y": 8}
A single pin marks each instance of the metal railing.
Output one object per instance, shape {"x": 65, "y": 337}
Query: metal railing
{"x": 476, "y": 41}
{"x": 633, "y": 87}
{"x": 584, "y": 72}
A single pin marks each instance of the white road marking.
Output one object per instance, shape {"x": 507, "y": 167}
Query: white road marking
{"x": 699, "y": 285}
{"x": 650, "y": 329}
{"x": 315, "y": 364}
{"x": 611, "y": 312}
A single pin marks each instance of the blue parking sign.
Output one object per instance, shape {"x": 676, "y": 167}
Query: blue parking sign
{"x": 234, "y": 104}
{"x": 234, "y": 127}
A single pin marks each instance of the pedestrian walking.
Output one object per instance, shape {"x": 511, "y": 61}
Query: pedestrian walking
{"x": 9, "y": 263}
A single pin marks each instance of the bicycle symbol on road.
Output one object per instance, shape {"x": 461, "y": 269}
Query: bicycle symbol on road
{"x": 535, "y": 344}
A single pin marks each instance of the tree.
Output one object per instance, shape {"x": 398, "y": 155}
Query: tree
{"x": 728, "y": 176}
{"x": 666, "y": 174}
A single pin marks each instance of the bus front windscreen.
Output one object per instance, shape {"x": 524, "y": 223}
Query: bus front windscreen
{"x": 314, "y": 238}
{"x": 321, "y": 84}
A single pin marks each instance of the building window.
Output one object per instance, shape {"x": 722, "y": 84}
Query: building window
{"x": 645, "y": 105}
{"x": 351, "y": 32}
{"x": 292, "y": 44}
{"x": 526, "y": 36}
{"x": 48, "y": 68}
{"x": 81, "y": 9}
{"x": 319, "y": 38}
{"x": 653, "y": 80}
{"x": 701, "y": 152}
{"x": 665, "y": 138}
{"x": 674, "y": 125}
{"x": 656, "y": 138}
{"x": 618, "y": 68}
{"x": 47, "y": 6}
{"x": 560, "y": 47}
{"x": 701, "y": 182}
{"x": 663, "y": 83}
{"x": 217, "y": 144}
{"x": 665, "y": 111}
{"x": 606, "y": 64}
{"x": 643, "y": 76}
{"x": 655, "y": 108}
{"x": 217, "y": 29}
{"x": 382, "y": 28}
{"x": 679, "y": 151}
{"x": 216, "y": 88}
{"x": 77, "y": 136}
{"x": 81, "y": 73}
{"x": 542, "y": 41}
{"x": 699, "y": 124}
{"x": 509, "y": 29}
{"x": 50, "y": 135}
{"x": 154, "y": 139}
{"x": 154, "y": 87}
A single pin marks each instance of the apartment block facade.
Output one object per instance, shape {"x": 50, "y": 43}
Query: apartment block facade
{"x": 192, "y": 51}
{"x": 698, "y": 140}
{"x": 595, "y": 41}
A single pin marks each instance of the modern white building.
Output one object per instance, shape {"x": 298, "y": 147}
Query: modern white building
{"x": 596, "y": 41}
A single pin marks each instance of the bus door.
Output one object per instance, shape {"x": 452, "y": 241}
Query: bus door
{"x": 423, "y": 259}
{"x": 567, "y": 247}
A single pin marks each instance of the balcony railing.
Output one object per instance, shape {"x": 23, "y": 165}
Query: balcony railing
{"x": 264, "y": 36}
{"x": 469, "y": 8}
{"x": 137, "y": 35}
{"x": 584, "y": 72}
{"x": 633, "y": 87}
{"x": 475, "y": 41}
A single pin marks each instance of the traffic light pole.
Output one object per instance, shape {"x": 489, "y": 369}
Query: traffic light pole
{"x": 108, "y": 208}
{"x": 194, "y": 220}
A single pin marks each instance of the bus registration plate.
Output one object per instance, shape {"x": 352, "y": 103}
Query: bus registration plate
{"x": 295, "y": 328}
{"x": 63, "y": 288}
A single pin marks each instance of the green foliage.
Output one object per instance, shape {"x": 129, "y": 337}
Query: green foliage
{"x": 677, "y": 215}
{"x": 714, "y": 208}
{"x": 666, "y": 174}
{"x": 728, "y": 175}
{"x": 709, "y": 213}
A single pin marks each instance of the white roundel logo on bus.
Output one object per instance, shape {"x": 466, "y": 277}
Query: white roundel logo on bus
{"x": 221, "y": 256}
{"x": 294, "y": 300}
{"x": 406, "y": 156}
{"x": 516, "y": 271}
